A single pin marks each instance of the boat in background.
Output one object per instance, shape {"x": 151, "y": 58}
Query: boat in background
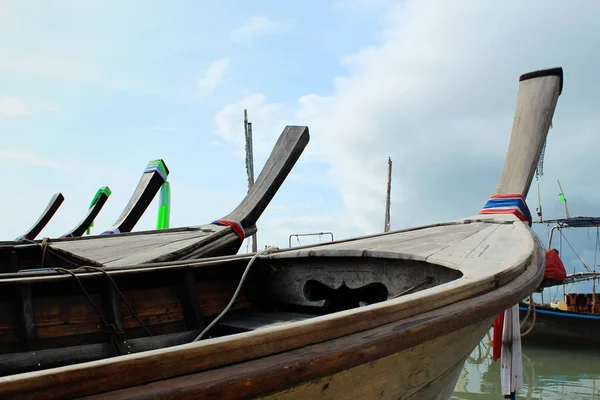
{"x": 53, "y": 205}
{"x": 392, "y": 315}
{"x": 87, "y": 222}
{"x": 576, "y": 319}
{"x": 118, "y": 246}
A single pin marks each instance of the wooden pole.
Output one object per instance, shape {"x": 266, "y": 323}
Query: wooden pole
{"x": 249, "y": 164}
{"x": 564, "y": 198}
{"x": 536, "y": 100}
{"x": 386, "y": 227}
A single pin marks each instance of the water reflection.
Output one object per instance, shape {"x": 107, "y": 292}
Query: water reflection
{"x": 550, "y": 373}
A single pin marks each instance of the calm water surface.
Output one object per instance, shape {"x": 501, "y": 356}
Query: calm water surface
{"x": 550, "y": 373}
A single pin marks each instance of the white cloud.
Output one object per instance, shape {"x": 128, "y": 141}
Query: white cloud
{"x": 253, "y": 27}
{"x": 50, "y": 107}
{"x": 173, "y": 129}
{"x": 265, "y": 118}
{"x": 214, "y": 75}
{"x": 437, "y": 94}
{"x": 13, "y": 107}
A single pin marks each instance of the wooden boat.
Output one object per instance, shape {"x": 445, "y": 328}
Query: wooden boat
{"x": 154, "y": 176}
{"x": 53, "y": 205}
{"x": 114, "y": 248}
{"x": 98, "y": 202}
{"x": 554, "y": 326}
{"x": 574, "y": 321}
{"x": 391, "y": 316}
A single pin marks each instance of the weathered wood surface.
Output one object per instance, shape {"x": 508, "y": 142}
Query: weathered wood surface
{"x": 118, "y": 250}
{"x": 399, "y": 331}
{"x": 53, "y": 205}
{"x": 536, "y": 101}
{"x": 433, "y": 367}
{"x": 388, "y": 377}
{"x": 324, "y": 359}
{"x": 286, "y": 152}
{"x": 257, "y": 320}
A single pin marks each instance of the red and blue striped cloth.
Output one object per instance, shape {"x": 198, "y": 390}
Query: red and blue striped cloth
{"x": 508, "y": 204}
{"x": 237, "y": 227}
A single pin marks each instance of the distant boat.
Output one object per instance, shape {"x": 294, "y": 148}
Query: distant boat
{"x": 392, "y": 315}
{"x": 98, "y": 202}
{"x": 53, "y": 205}
{"x": 117, "y": 246}
{"x": 576, "y": 319}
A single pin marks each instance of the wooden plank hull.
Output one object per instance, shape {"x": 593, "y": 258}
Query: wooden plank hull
{"x": 557, "y": 327}
{"x": 408, "y": 374}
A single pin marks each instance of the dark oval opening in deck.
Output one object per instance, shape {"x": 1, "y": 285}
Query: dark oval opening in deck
{"x": 329, "y": 284}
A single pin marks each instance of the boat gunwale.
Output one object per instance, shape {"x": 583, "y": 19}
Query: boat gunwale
{"x": 37, "y": 276}
{"x": 264, "y": 342}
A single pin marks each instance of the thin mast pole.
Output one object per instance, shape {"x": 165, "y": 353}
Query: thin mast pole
{"x": 386, "y": 227}
{"x": 564, "y": 198}
{"x": 249, "y": 164}
{"x": 539, "y": 209}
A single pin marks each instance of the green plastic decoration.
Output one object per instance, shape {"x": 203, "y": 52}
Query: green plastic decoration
{"x": 103, "y": 190}
{"x": 164, "y": 207}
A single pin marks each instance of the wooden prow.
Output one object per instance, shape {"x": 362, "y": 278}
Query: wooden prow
{"x": 97, "y": 203}
{"x": 286, "y": 152}
{"x": 154, "y": 176}
{"x": 43, "y": 220}
{"x": 536, "y": 101}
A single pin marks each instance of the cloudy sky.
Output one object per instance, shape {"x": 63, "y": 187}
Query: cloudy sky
{"x": 91, "y": 91}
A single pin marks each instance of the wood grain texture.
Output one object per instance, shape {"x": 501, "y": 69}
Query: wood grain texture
{"x": 536, "y": 102}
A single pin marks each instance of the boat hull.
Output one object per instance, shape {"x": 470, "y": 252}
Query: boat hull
{"x": 408, "y": 374}
{"x": 558, "y": 327}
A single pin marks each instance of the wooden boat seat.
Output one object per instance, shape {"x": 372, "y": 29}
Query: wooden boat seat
{"x": 256, "y": 320}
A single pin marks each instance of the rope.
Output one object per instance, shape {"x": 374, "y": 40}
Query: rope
{"x": 237, "y": 290}
{"x": 531, "y": 306}
{"x": 44, "y": 246}
{"x": 108, "y": 328}
{"x": 574, "y": 252}
{"x": 133, "y": 313}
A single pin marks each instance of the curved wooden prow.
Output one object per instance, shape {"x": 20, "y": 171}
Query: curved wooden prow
{"x": 536, "y": 101}
{"x": 98, "y": 202}
{"x": 46, "y": 216}
{"x": 154, "y": 176}
{"x": 286, "y": 152}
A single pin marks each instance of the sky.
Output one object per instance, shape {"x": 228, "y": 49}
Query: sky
{"x": 91, "y": 91}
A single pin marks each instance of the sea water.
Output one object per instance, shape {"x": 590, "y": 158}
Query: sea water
{"x": 549, "y": 373}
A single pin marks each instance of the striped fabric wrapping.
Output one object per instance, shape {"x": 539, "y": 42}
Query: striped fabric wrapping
{"x": 237, "y": 227}
{"x": 111, "y": 231}
{"x": 155, "y": 168}
{"x": 508, "y": 204}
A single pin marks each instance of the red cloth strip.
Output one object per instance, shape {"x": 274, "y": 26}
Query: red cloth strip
{"x": 237, "y": 227}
